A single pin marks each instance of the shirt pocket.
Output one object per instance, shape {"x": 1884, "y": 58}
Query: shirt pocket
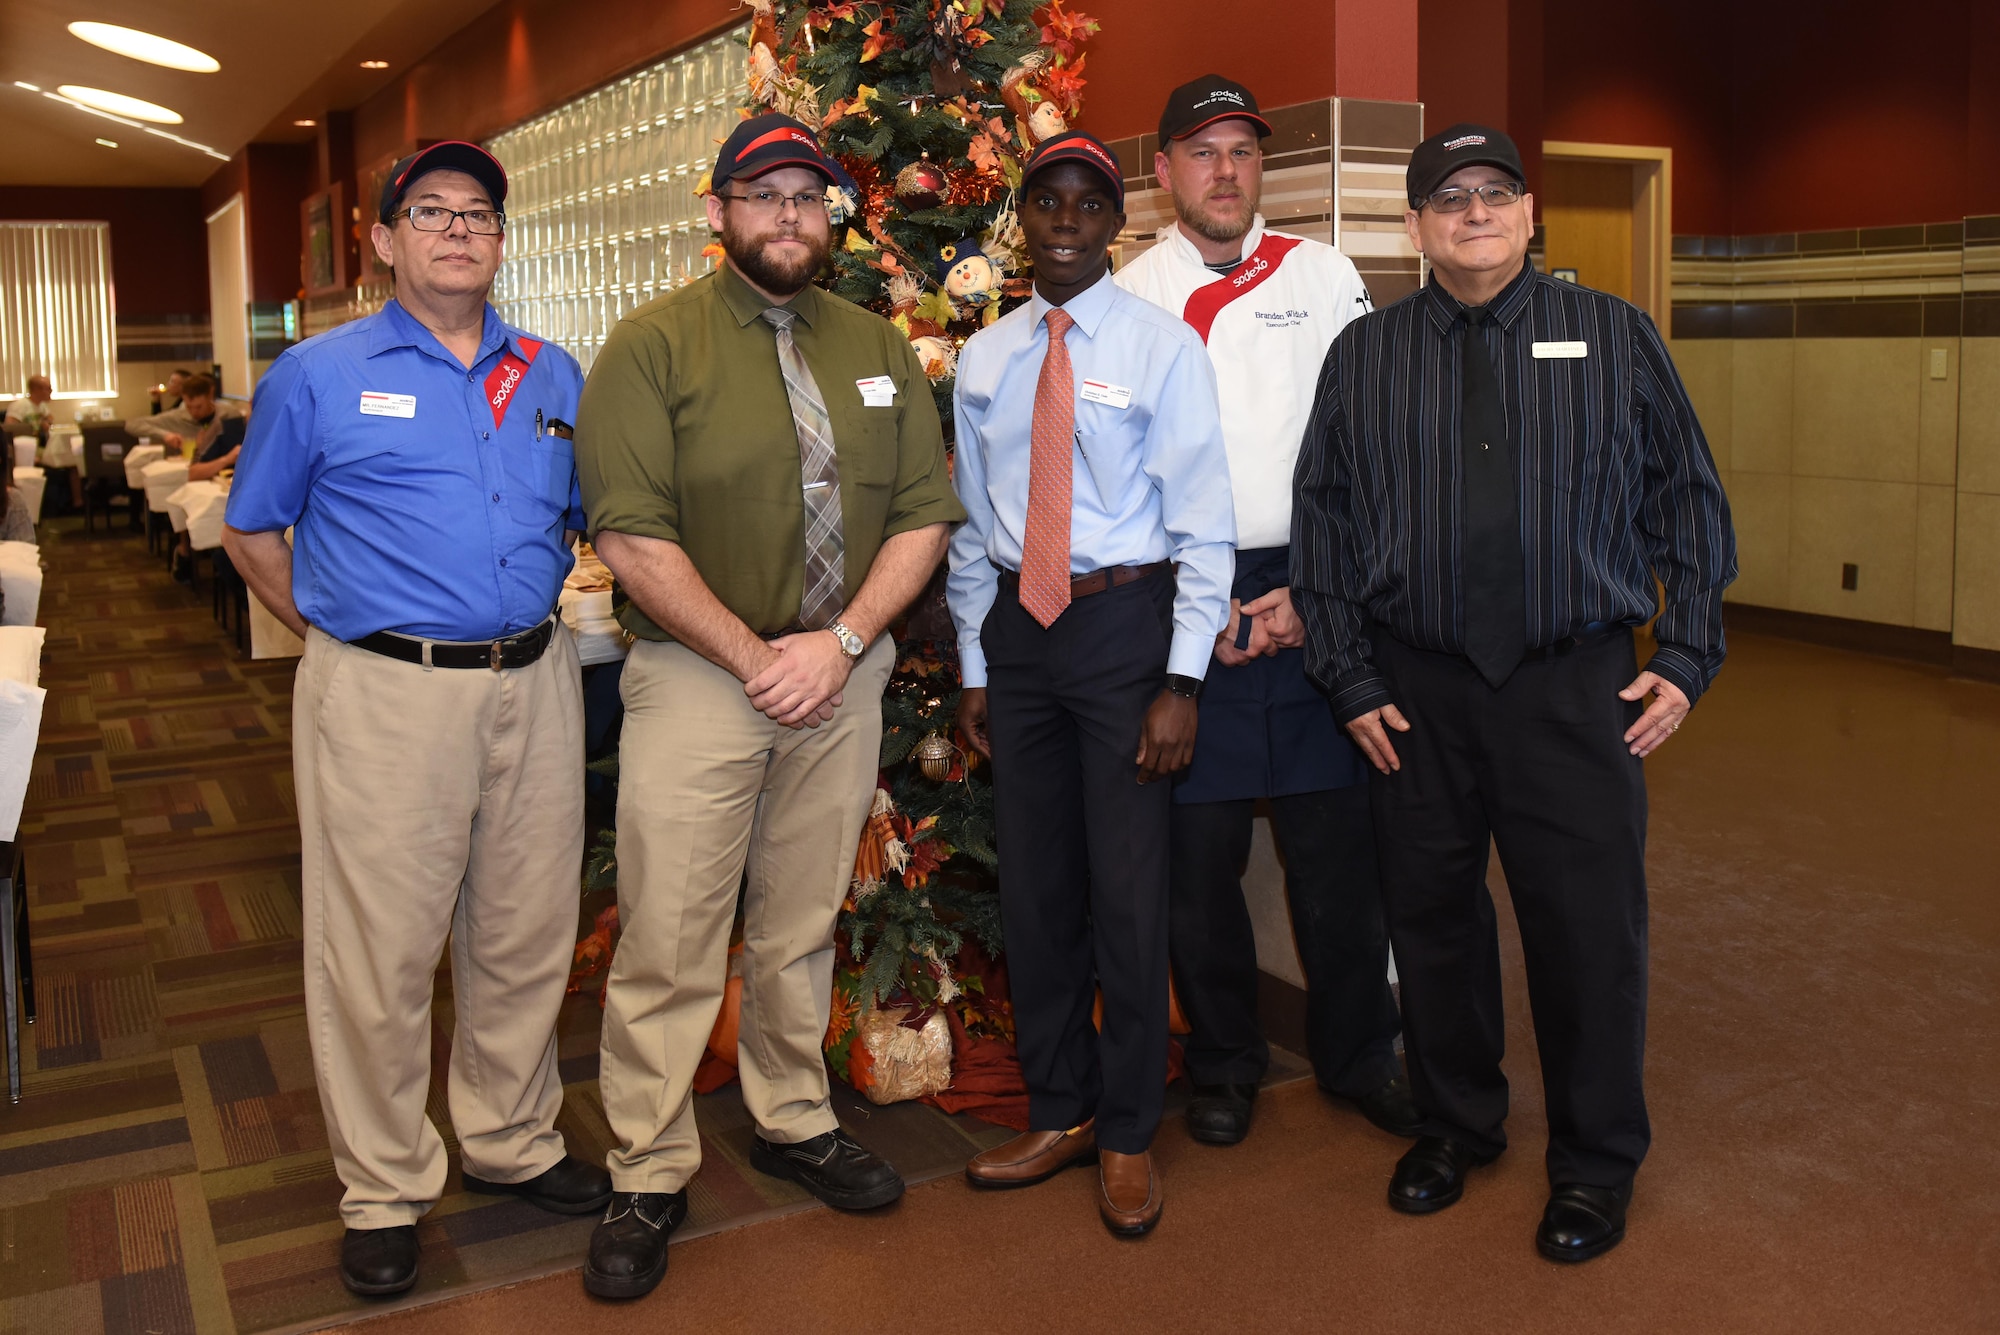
{"x": 867, "y": 444}
{"x": 1111, "y": 459}
{"x": 539, "y": 479}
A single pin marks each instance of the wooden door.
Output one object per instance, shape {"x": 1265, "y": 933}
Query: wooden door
{"x": 1586, "y": 209}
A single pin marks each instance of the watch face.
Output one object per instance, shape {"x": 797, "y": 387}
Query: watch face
{"x": 850, "y": 643}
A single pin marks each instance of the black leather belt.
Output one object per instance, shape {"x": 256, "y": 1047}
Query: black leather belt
{"x": 516, "y": 651}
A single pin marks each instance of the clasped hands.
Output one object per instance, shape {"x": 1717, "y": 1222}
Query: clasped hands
{"x": 1273, "y": 626}
{"x": 1660, "y": 721}
{"x": 800, "y": 683}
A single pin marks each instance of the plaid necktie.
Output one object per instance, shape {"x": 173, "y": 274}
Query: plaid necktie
{"x": 1045, "y": 544}
{"x": 826, "y": 565}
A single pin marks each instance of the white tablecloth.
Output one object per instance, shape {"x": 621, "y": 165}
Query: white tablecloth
{"x": 136, "y": 460}
{"x": 196, "y": 510}
{"x": 21, "y": 700}
{"x": 24, "y": 450}
{"x": 33, "y": 482}
{"x": 64, "y": 450}
{"x": 599, "y": 637}
{"x": 21, "y": 582}
{"x": 162, "y": 480}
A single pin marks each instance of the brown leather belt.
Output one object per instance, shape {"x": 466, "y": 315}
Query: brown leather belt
{"x": 1097, "y": 581}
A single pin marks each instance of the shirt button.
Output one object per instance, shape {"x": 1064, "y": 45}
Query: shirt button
{"x": 503, "y": 560}
{"x": 468, "y": 377}
{"x": 496, "y": 497}
{"x": 486, "y": 435}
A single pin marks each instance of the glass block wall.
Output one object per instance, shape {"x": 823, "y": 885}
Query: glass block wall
{"x": 601, "y": 210}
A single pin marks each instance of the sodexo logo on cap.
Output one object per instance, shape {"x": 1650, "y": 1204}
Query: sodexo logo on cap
{"x": 1220, "y": 95}
{"x": 1464, "y": 141}
{"x": 797, "y": 136}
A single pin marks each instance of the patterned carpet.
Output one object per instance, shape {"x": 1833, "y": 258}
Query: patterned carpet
{"x": 166, "y": 1170}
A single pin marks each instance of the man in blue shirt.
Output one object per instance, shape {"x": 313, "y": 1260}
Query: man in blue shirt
{"x": 421, "y": 458}
{"x": 1090, "y": 463}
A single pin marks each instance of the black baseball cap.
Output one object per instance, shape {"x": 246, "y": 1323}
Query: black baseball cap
{"x": 766, "y": 143}
{"x": 451, "y": 155}
{"x": 1078, "y": 146}
{"x": 1204, "y": 101}
{"x": 1455, "y": 149}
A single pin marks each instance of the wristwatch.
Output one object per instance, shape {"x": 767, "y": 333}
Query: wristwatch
{"x": 850, "y": 644}
{"x": 1187, "y": 688}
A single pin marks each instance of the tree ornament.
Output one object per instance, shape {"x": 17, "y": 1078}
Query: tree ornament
{"x": 919, "y": 186}
{"x": 933, "y": 754}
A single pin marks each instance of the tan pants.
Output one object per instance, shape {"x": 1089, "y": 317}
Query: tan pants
{"x": 447, "y": 801}
{"x": 707, "y": 784}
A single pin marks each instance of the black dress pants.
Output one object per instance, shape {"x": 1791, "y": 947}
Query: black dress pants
{"x": 1083, "y": 853}
{"x": 1540, "y": 766}
{"x": 1327, "y": 841}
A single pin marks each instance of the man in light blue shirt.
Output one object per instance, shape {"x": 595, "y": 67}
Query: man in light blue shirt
{"x": 422, "y": 458}
{"x": 1087, "y": 585}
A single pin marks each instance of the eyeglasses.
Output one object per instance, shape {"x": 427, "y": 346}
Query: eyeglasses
{"x": 480, "y": 222}
{"x": 771, "y": 201}
{"x": 1455, "y": 199}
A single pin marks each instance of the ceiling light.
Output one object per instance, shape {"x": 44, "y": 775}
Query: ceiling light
{"x": 31, "y": 87}
{"x": 145, "y": 46}
{"x": 120, "y": 105}
{"x": 109, "y": 143}
{"x": 74, "y": 105}
{"x": 305, "y": 125}
{"x": 374, "y": 64}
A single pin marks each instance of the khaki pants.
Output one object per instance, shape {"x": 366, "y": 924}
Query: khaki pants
{"x": 447, "y": 801}
{"x": 707, "y": 784}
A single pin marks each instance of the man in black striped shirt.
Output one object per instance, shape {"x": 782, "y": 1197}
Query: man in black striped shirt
{"x": 1496, "y": 470}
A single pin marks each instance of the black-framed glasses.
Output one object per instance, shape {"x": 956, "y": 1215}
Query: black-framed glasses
{"x": 480, "y": 222}
{"x": 774, "y": 201}
{"x": 1457, "y": 199}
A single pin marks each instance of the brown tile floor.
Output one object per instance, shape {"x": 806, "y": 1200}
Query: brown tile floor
{"x": 1824, "y": 1073}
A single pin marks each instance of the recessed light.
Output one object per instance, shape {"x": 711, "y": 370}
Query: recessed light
{"x": 119, "y": 105}
{"x": 145, "y": 46}
{"x": 374, "y": 64}
{"x": 31, "y": 87}
{"x": 305, "y": 125}
{"x": 109, "y": 143}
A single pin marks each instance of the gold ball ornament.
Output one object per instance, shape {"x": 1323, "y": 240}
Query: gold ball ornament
{"x": 933, "y": 755}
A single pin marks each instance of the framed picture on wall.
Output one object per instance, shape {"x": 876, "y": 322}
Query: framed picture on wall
{"x": 322, "y": 225}
{"x": 369, "y": 180}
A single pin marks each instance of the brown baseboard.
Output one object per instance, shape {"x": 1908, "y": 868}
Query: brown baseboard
{"x": 1865, "y": 637}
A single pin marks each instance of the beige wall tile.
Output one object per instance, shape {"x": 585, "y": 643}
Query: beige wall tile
{"x": 1937, "y": 517}
{"x": 1976, "y": 582}
{"x": 1854, "y": 408}
{"x": 1979, "y": 416}
{"x": 1706, "y": 366}
{"x": 1873, "y": 525}
{"x": 1937, "y": 414}
{"x": 1760, "y": 508}
{"x": 1760, "y": 396}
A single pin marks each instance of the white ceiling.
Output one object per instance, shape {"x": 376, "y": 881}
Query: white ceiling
{"x": 281, "y": 60}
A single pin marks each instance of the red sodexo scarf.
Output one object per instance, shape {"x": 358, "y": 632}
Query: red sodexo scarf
{"x": 1207, "y": 302}
{"x": 506, "y": 375}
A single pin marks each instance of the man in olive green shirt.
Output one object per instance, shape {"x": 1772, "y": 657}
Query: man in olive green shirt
{"x": 765, "y": 476}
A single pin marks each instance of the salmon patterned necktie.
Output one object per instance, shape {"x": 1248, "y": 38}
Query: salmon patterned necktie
{"x": 1045, "y": 544}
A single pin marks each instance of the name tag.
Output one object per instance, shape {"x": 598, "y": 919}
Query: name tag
{"x": 877, "y": 391}
{"x": 1543, "y": 350}
{"x": 377, "y": 404}
{"x": 1097, "y": 391}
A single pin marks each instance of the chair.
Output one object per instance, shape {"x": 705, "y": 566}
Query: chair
{"x": 104, "y": 449}
{"x": 17, "y": 964}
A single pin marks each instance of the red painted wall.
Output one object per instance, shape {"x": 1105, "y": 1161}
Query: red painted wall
{"x": 274, "y": 180}
{"x": 159, "y": 247}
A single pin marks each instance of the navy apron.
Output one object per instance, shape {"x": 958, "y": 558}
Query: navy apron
{"x": 1266, "y": 731}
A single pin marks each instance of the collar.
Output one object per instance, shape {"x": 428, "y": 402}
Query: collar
{"x": 1180, "y": 246}
{"x": 1088, "y": 307}
{"x": 397, "y": 328}
{"x": 1507, "y": 307}
{"x": 746, "y": 303}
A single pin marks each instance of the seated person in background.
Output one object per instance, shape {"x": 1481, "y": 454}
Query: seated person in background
{"x": 31, "y": 414}
{"x": 199, "y": 406}
{"x": 215, "y": 449}
{"x": 169, "y": 395}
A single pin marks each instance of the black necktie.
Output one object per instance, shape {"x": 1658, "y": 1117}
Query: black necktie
{"x": 1495, "y": 595}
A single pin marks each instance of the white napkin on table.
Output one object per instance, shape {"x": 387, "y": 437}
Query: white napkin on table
{"x": 20, "y": 726}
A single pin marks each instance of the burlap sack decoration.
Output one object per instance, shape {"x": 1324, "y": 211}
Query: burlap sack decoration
{"x": 905, "y": 1063}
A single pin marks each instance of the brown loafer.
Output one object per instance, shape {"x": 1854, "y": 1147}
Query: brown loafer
{"x": 1129, "y": 1196}
{"x": 1034, "y": 1157}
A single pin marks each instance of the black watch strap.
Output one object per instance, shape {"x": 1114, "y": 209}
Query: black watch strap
{"x": 1185, "y": 687}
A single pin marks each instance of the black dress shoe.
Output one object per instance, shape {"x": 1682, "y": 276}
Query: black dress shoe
{"x": 832, "y": 1167}
{"x": 1220, "y": 1114}
{"x": 571, "y": 1186}
{"x": 1391, "y": 1108}
{"x": 1582, "y": 1221}
{"x": 378, "y": 1261}
{"x": 1432, "y": 1175}
{"x": 628, "y": 1248}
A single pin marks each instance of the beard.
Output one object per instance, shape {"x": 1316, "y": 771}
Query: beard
{"x": 1218, "y": 220}
{"x": 779, "y": 276}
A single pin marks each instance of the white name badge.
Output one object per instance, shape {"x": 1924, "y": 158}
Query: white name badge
{"x": 1097, "y": 391}
{"x": 877, "y": 391}
{"x": 1543, "y": 350}
{"x": 376, "y": 404}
